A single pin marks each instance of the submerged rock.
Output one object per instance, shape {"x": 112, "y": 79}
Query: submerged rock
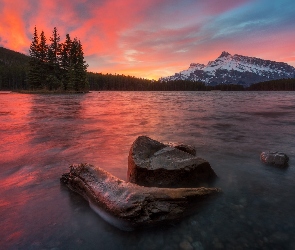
{"x": 274, "y": 158}
{"x": 152, "y": 163}
{"x": 128, "y": 205}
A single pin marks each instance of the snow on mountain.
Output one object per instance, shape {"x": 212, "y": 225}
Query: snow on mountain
{"x": 235, "y": 69}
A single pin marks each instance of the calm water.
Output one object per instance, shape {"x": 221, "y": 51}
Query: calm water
{"x": 41, "y": 135}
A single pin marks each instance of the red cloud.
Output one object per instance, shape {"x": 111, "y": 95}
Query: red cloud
{"x": 149, "y": 38}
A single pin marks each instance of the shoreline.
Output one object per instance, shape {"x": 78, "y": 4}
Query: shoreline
{"x": 48, "y": 92}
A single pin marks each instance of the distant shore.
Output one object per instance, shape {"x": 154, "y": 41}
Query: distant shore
{"x": 48, "y": 92}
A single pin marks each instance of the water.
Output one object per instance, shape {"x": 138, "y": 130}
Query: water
{"x": 41, "y": 135}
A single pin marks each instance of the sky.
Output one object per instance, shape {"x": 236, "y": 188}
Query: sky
{"x": 155, "y": 38}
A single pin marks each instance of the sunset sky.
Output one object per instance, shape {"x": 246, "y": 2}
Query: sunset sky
{"x": 154, "y": 38}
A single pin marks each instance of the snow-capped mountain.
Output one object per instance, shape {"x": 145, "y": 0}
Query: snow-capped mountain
{"x": 235, "y": 69}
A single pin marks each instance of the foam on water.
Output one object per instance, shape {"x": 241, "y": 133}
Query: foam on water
{"x": 116, "y": 222}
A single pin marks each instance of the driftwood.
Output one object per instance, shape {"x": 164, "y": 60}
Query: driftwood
{"x": 127, "y": 205}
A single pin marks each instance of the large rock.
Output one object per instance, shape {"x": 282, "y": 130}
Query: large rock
{"x": 274, "y": 158}
{"x": 128, "y": 205}
{"x": 154, "y": 164}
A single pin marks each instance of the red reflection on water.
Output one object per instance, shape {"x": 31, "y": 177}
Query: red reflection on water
{"x": 14, "y": 133}
{"x": 115, "y": 119}
{"x": 11, "y": 206}
{"x": 14, "y": 111}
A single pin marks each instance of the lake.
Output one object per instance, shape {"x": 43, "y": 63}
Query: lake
{"x": 41, "y": 135}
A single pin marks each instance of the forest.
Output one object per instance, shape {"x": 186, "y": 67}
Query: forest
{"x": 16, "y": 74}
{"x": 13, "y": 70}
{"x": 55, "y": 65}
{"x": 274, "y": 85}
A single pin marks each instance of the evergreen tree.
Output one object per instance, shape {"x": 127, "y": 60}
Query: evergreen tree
{"x": 78, "y": 67}
{"x": 54, "y": 53}
{"x": 43, "y": 48}
{"x": 34, "y": 74}
{"x": 43, "y": 52}
{"x": 57, "y": 66}
{"x": 81, "y": 70}
{"x": 66, "y": 60}
{"x": 34, "y": 47}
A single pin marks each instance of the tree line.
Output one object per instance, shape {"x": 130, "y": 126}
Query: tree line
{"x": 98, "y": 81}
{"x": 56, "y": 66}
{"x": 274, "y": 85}
{"x": 15, "y": 68}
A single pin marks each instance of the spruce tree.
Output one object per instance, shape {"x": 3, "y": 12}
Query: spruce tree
{"x": 34, "y": 74}
{"x": 43, "y": 52}
{"x": 81, "y": 69}
{"x": 54, "y": 54}
{"x": 57, "y": 66}
{"x": 65, "y": 61}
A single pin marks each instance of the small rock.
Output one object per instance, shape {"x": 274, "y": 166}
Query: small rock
{"x": 280, "y": 236}
{"x": 193, "y": 223}
{"x": 176, "y": 238}
{"x": 218, "y": 245}
{"x": 198, "y": 245}
{"x": 274, "y": 158}
{"x": 185, "y": 245}
{"x": 189, "y": 238}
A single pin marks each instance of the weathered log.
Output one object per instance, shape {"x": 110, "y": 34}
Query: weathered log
{"x": 127, "y": 205}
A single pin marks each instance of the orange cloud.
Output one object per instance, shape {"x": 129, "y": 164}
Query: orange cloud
{"x": 154, "y": 38}
{"x": 12, "y": 27}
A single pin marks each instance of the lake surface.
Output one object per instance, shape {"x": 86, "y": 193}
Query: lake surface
{"x": 41, "y": 135}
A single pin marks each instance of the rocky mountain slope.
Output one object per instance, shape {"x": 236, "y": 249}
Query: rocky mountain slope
{"x": 235, "y": 69}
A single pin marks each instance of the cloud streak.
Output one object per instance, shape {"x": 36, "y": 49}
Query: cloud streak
{"x": 153, "y": 38}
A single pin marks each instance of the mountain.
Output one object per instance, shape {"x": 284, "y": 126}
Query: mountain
{"x": 13, "y": 68}
{"x": 235, "y": 69}
{"x": 9, "y": 57}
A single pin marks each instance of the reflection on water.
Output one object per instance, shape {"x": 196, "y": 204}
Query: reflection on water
{"x": 40, "y": 135}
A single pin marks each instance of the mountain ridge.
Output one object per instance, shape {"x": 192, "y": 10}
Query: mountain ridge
{"x": 235, "y": 69}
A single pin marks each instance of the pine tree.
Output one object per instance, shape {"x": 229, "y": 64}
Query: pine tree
{"x": 34, "y": 74}
{"x": 57, "y": 66}
{"x": 43, "y": 52}
{"x": 65, "y": 61}
{"x": 81, "y": 69}
{"x": 53, "y": 57}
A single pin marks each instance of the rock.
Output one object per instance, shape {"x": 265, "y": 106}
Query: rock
{"x": 198, "y": 245}
{"x": 127, "y": 205}
{"x": 274, "y": 158}
{"x": 185, "y": 245}
{"x": 152, "y": 163}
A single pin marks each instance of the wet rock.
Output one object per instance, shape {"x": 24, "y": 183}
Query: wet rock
{"x": 189, "y": 238}
{"x": 198, "y": 245}
{"x": 274, "y": 158}
{"x": 185, "y": 245}
{"x": 127, "y": 205}
{"x": 217, "y": 244}
{"x": 279, "y": 236}
{"x": 152, "y": 163}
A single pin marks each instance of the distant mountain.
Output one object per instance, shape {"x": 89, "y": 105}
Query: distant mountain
{"x": 13, "y": 68}
{"x": 235, "y": 69}
{"x": 9, "y": 57}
